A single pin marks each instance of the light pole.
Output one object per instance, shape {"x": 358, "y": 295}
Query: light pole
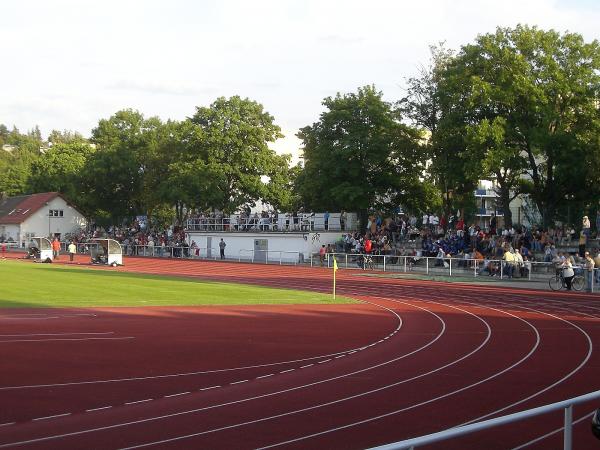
{"x": 49, "y": 217}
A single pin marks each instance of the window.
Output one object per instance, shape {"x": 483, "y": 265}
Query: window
{"x": 55, "y": 213}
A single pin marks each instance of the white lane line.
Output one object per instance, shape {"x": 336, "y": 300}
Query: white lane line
{"x": 201, "y": 372}
{"x": 139, "y": 401}
{"x": 69, "y": 339}
{"x": 79, "y": 315}
{"x": 265, "y": 376}
{"x": 56, "y": 334}
{"x": 28, "y": 318}
{"x": 286, "y": 371}
{"x": 351, "y": 353}
{"x": 321, "y": 362}
{"x": 51, "y": 417}
{"x": 207, "y": 388}
{"x": 308, "y": 365}
{"x": 248, "y": 399}
{"x": 98, "y": 409}
{"x": 341, "y": 356}
{"x": 7, "y": 424}
{"x": 176, "y": 395}
{"x": 238, "y": 382}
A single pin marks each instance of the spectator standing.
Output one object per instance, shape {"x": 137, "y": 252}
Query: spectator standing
{"x": 343, "y": 220}
{"x": 72, "y": 250}
{"x": 55, "y": 248}
{"x": 493, "y": 224}
{"x": 322, "y": 252}
{"x": 597, "y": 266}
{"x": 222, "y": 246}
{"x": 585, "y": 226}
{"x": 326, "y": 220}
{"x": 568, "y": 273}
{"x": 588, "y": 266}
{"x": 368, "y": 245}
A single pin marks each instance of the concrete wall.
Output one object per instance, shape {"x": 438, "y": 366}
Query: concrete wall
{"x": 241, "y": 244}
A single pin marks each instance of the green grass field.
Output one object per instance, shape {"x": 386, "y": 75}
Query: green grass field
{"x": 25, "y": 284}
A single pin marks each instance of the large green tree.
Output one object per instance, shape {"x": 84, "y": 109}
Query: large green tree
{"x": 532, "y": 102}
{"x": 62, "y": 168}
{"x": 15, "y": 165}
{"x": 431, "y": 104}
{"x": 360, "y": 156}
{"x": 115, "y": 175}
{"x": 234, "y": 157}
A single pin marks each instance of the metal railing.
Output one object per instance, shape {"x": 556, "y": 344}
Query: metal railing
{"x": 282, "y": 223}
{"x": 418, "y": 265}
{"x": 452, "y": 267}
{"x": 566, "y": 405}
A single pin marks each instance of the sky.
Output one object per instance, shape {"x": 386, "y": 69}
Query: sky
{"x": 67, "y": 64}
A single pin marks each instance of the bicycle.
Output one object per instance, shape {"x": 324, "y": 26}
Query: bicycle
{"x": 557, "y": 282}
{"x": 365, "y": 262}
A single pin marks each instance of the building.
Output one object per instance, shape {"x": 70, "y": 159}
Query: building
{"x": 487, "y": 202}
{"x": 268, "y": 239}
{"x": 45, "y": 214}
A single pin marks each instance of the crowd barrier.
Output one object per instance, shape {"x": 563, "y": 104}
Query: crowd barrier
{"x": 420, "y": 265}
{"x": 447, "y": 267}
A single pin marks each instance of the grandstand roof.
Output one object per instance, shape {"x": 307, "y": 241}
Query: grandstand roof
{"x": 15, "y": 210}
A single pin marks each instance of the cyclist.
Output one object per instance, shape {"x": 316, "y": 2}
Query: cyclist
{"x": 568, "y": 273}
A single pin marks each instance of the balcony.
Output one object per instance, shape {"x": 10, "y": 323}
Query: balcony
{"x": 485, "y": 193}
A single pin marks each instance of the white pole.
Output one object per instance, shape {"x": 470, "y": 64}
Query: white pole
{"x": 568, "y": 436}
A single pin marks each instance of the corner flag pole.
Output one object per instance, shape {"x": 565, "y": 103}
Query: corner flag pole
{"x": 335, "y": 268}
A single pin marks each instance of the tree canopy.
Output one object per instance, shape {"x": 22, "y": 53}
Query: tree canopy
{"x": 360, "y": 156}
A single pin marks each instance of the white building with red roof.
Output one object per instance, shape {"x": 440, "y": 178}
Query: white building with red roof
{"x": 46, "y": 214}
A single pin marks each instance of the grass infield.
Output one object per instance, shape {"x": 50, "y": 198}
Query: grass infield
{"x": 26, "y": 284}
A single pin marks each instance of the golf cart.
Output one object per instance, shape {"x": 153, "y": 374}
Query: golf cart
{"x": 106, "y": 252}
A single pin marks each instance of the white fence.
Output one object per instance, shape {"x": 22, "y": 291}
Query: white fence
{"x": 566, "y": 405}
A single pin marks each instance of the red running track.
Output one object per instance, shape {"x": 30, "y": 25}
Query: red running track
{"x": 414, "y": 357}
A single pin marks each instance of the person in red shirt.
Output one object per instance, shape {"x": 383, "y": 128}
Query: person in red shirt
{"x": 3, "y": 245}
{"x": 368, "y": 245}
{"x": 55, "y": 248}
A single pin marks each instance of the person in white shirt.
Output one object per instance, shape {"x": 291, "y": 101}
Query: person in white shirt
{"x": 519, "y": 262}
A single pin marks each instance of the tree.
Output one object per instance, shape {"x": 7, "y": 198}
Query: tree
{"x": 62, "y": 169}
{"x": 234, "y": 153}
{"x": 430, "y": 103}
{"x": 494, "y": 156}
{"x": 15, "y": 165}
{"x": 360, "y": 156}
{"x": 65, "y": 137}
{"x": 115, "y": 173}
{"x": 540, "y": 90}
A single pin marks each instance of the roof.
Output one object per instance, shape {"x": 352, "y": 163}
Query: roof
{"x": 15, "y": 210}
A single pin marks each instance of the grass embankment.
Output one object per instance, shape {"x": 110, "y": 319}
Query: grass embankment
{"x": 25, "y": 284}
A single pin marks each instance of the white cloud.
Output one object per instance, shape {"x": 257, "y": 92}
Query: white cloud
{"x": 69, "y": 63}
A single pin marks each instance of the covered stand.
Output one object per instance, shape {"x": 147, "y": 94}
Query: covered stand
{"x": 40, "y": 248}
{"x": 106, "y": 251}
